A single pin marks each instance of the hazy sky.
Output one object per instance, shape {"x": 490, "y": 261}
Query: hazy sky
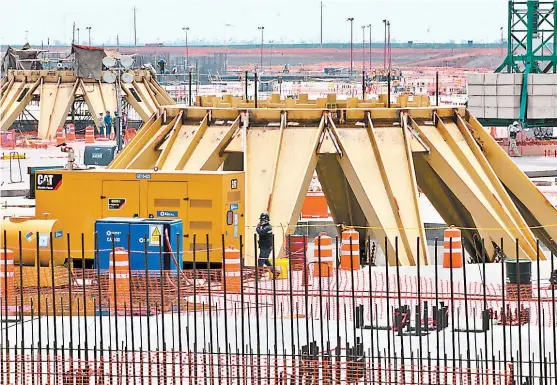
{"x": 284, "y": 21}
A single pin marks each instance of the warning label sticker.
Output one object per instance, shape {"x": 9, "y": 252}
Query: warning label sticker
{"x": 155, "y": 232}
{"x": 116, "y": 203}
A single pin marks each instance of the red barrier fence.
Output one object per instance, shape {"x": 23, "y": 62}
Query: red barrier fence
{"x": 169, "y": 367}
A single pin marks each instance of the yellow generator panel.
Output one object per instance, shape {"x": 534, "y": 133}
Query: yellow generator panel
{"x": 209, "y": 204}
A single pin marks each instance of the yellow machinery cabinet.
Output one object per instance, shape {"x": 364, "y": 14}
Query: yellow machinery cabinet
{"x": 210, "y": 205}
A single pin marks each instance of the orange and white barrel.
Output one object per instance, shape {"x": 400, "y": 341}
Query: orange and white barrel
{"x": 232, "y": 270}
{"x": 7, "y": 282}
{"x": 70, "y": 133}
{"x": 452, "y": 248}
{"x": 323, "y": 255}
{"x": 119, "y": 279}
{"x": 129, "y": 134}
{"x": 89, "y": 135}
{"x": 60, "y": 136}
{"x": 350, "y": 250}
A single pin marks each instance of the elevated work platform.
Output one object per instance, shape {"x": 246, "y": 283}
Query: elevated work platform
{"x": 370, "y": 161}
{"x": 57, "y": 90}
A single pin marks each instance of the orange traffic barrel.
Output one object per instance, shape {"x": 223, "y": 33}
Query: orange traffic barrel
{"x": 295, "y": 249}
{"x": 7, "y": 283}
{"x": 129, "y": 134}
{"x": 323, "y": 255}
{"x": 60, "y": 137}
{"x": 70, "y": 132}
{"x": 89, "y": 135}
{"x": 119, "y": 279}
{"x": 350, "y": 250}
{"x": 232, "y": 270}
{"x": 452, "y": 248}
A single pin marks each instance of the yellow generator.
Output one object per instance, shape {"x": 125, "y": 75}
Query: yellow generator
{"x": 208, "y": 203}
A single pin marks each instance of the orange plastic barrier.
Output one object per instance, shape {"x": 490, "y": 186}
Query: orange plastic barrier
{"x": 129, "y": 134}
{"x": 452, "y": 245}
{"x": 89, "y": 135}
{"x": 119, "y": 279}
{"x": 60, "y": 136}
{"x": 323, "y": 255}
{"x": 350, "y": 250}
{"x": 232, "y": 270}
{"x": 315, "y": 206}
{"x": 7, "y": 284}
{"x": 70, "y": 133}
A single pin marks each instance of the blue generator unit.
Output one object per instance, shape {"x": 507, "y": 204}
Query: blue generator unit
{"x": 155, "y": 244}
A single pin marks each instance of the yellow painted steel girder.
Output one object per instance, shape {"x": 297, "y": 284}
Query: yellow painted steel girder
{"x": 370, "y": 163}
{"x": 58, "y": 89}
{"x": 377, "y": 163}
{"x": 18, "y": 96}
{"x": 483, "y": 202}
{"x": 280, "y": 161}
{"x": 534, "y": 207}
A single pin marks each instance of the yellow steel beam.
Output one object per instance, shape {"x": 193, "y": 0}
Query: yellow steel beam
{"x": 457, "y": 176}
{"x": 258, "y": 165}
{"x": 187, "y": 142}
{"x": 291, "y": 173}
{"x": 15, "y": 107}
{"x": 467, "y": 149}
{"x": 341, "y": 200}
{"x": 411, "y": 212}
{"x": 276, "y": 157}
{"x": 124, "y": 158}
{"x": 143, "y": 92}
{"x": 394, "y": 159}
{"x": 151, "y": 96}
{"x": 162, "y": 96}
{"x": 64, "y": 100}
{"x": 6, "y": 88}
{"x": 146, "y": 158}
{"x": 538, "y": 211}
{"x": 363, "y": 167}
{"x": 170, "y": 142}
{"x": 450, "y": 208}
{"x": 93, "y": 98}
{"x": 140, "y": 106}
{"x": 209, "y": 153}
{"x": 109, "y": 97}
{"x": 9, "y": 97}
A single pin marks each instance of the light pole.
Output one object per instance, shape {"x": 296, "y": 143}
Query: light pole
{"x": 385, "y": 46}
{"x": 363, "y": 47}
{"x": 351, "y": 20}
{"x": 503, "y": 41}
{"x": 370, "y": 67}
{"x": 389, "y": 52}
{"x": 261, "y": 28}
{"x": 89, "y": 30}
{"x": 118, "y": 67}
{"x": 271, "y": 55}
{"x": 226, "y": 46}
{"x": 186, "y": 29}
{"x": 78, "y": 36}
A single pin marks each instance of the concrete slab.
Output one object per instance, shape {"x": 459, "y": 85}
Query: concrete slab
{"x": 490, "y": 90}
{"x": 509, "y": 90}
{"x": 476, "y": 101}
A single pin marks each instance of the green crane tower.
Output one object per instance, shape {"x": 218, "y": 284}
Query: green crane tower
{"x": 531, "y": 47}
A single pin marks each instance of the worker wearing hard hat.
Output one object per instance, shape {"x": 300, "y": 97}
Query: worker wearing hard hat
{"x": 265, "y": 232}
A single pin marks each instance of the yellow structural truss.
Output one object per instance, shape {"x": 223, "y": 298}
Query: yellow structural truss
{"x": 56, "y": 91}
{"x": 371, "y": 162}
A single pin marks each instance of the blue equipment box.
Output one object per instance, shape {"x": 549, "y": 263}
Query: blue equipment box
{"x": 155, "y": 243}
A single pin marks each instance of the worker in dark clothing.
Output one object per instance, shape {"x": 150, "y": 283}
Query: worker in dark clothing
{"x": 265, "y": 232}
